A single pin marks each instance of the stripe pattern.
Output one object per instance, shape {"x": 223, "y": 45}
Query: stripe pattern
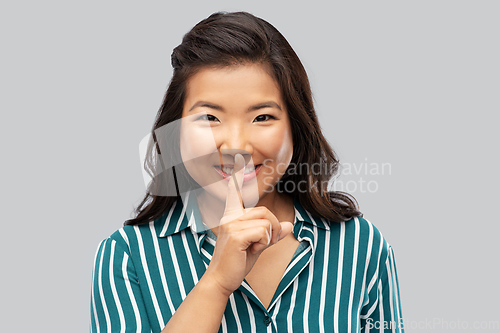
{"x": 343, "y": 278}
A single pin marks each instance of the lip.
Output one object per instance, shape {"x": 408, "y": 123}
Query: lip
{"x": 246, "y": 177}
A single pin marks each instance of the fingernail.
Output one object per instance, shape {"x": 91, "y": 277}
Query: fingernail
{"x": 279, "y": 234}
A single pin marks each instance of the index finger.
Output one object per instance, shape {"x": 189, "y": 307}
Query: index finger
{"x": 234, "y": 203}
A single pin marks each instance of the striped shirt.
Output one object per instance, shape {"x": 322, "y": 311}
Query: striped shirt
{"x": 342, "y": 278}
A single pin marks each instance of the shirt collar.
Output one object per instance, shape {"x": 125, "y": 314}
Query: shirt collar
{"x": 184, "y": 213}
{"x": 301, "y": 214}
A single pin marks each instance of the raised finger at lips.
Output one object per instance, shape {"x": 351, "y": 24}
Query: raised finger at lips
{"x": 233, "y": 199}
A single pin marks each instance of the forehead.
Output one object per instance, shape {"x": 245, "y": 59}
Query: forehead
{"x": 247, "y": 82}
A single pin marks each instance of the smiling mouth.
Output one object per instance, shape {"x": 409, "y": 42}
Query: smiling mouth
{"x": 228, "y": 170}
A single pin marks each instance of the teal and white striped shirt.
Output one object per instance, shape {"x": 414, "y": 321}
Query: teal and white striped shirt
{"x": 342, "y": 278}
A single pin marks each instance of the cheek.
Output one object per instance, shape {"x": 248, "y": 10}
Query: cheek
{"x": 278, "y": 146}
{"x": 196, "y": 142}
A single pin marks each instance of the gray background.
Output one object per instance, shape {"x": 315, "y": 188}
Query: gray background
{"x": 412, "y": 84}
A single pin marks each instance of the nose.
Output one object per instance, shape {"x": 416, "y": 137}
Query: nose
{"x": 235, "y": 141}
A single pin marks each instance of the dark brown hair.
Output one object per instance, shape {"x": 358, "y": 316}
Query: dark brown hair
{"x": 225, "y": 39}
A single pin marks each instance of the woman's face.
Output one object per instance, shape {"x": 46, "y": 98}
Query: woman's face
{"x": 236, "y": 109}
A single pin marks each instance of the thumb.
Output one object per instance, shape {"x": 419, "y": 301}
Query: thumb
{"x": 286, "y": 228}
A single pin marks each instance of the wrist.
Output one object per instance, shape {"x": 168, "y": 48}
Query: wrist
{"x": 214, "y": 288}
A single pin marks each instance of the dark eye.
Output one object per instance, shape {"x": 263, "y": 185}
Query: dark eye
{"x": 264, "y": 117}
{"x": 208, "y": 117}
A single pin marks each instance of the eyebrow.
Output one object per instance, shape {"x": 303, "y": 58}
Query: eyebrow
{"x": 259, "y": 106}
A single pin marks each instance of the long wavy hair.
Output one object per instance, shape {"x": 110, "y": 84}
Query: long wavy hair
{"x": 226, "y": 39}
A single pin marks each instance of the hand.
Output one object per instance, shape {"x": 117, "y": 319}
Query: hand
{"x": 243, "y": 235}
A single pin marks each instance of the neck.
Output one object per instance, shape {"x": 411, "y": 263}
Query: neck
{"x": 211, "y": 209}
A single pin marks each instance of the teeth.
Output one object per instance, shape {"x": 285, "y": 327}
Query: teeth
{"x": 229, "y": 171}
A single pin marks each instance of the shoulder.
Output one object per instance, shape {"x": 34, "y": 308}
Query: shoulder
{"x": 130, "y": 237}
{"x": 357, "y": 226}
{"x": 366, "y": 230}
{"x": 362, "y": 238}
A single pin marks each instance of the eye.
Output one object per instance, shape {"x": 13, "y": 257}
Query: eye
{"x": 264, "y": 117}
{"x": 207, "y": 117}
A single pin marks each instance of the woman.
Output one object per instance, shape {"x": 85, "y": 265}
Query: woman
{"x": 238, "y": 232}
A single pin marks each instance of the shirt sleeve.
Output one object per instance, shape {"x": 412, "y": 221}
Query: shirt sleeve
{"x": 116, "y": 299}
{"x": 382, "y": 313}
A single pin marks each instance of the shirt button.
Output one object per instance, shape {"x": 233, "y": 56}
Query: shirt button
{"x": 267, "y": 320}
